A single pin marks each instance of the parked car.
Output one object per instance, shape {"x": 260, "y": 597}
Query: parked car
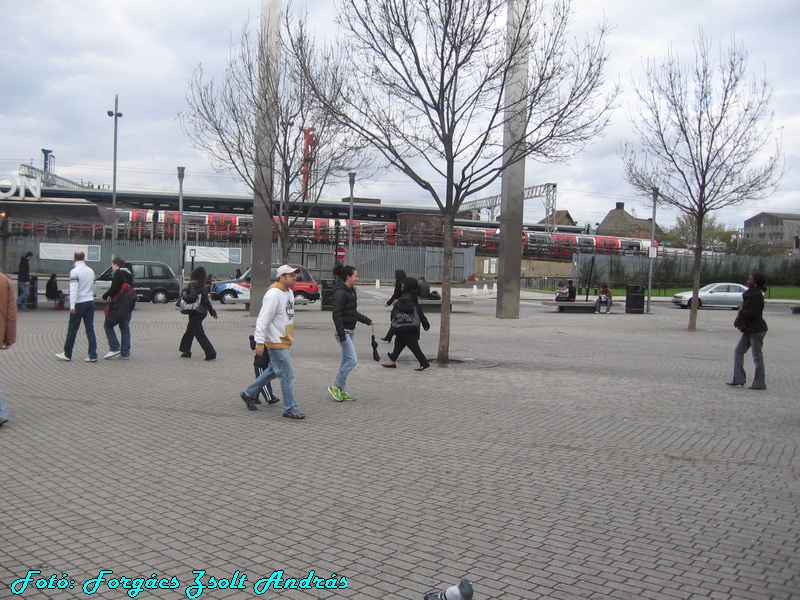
{"x": 238, "y": 290}
{"x": 728, "y": 295}
{"x": 153, "y": 281}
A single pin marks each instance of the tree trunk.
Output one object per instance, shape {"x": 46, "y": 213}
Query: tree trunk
{"x": 443, "y": 356}
{"x": 698, "y": 255}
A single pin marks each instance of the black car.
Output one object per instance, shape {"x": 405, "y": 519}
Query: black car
{"x": 153, "y": 281}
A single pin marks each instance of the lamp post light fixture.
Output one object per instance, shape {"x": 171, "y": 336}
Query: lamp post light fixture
{"x": 116, "y": 116}
{"x": 181, "y": 248}
{"x": 352, "y": 177}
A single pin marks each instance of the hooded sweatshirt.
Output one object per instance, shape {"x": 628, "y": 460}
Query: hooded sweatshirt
{"x": 275, "y": 322}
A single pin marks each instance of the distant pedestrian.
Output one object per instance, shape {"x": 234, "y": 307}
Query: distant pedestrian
{"x": 194, "y": 291}
{"x": 119, "y": 314}
{"x": 407, "y": 317}
{"x": 399, "y": 277}
{"x": 424, "y": 289}
{"x": 274, "y": 334}
{"x": 603, "y": 297}
{"x": 345, "y": 317}
{"x": 750, "y": 321}
{"x": 24, "y": 281}
{"x": 81, "y": 308}
{"x": 51, "y": 291}
{"x": 8, "y": 328}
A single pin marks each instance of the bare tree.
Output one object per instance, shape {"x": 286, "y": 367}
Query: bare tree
{"x": 312, "y": 149}
{"x": 703, "y": 129}
{"x": 422, "y": 82}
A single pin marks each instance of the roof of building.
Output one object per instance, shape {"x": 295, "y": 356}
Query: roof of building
{"x": 562, "y": 218}
{"x": 618, "y": 222}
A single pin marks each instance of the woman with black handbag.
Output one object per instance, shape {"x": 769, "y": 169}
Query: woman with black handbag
{"x": 750, "y": 321}
{"x": 407, "y": 316}
{"x": 194, "y": 301}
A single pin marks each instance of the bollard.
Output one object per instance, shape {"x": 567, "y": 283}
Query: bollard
{"x": 494, "y": 288}
{"x": 377, "y": 284}
{"x": 474, "y": 289}
{"x": 485, "y": 288}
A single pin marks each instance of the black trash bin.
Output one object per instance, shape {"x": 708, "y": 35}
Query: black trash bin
{"x": 327, "y": 294}
{"x": 33, "y": 297}
{"x": 634, "y": 299}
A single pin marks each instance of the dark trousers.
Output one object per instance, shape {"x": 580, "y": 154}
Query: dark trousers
{"x": 194, "y": 330}
{"x": 402, "y": 341}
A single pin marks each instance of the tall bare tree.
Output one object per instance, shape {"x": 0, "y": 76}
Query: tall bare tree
{"x": 422, "y": 82}
{"x": 704, "y": 132}
{"x": 222, "y": 117}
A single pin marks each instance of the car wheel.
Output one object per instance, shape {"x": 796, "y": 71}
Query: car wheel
{"x": 300, "y": 298}
{"x": 159, "y": 297}
{"x": 699, "y": 303}
{"x": 227, "y": 297}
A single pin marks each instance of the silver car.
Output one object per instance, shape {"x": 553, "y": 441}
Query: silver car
{"x": 727, "y": 295}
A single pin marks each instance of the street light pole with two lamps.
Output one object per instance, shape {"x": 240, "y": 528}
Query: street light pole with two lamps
{"x": 116, "y": 115}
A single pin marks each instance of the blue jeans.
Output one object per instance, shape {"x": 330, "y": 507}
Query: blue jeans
{"x": 24, "y": 292}
{"x": 748, "y": 341}
{"x": 84, "y": 311}
{"x": 3, "y": 409}
{"x": 349, "y": 359}
{"x": 599, "y": 301}
{"x": 125, "y": 331}
{"x": 280, "y": 367}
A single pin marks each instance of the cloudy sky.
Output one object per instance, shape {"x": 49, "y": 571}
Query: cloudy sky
{"x": 63, "y": 62}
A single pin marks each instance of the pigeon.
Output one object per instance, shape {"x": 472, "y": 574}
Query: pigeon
{"x": 462, "y": 591}
{"x": 375, "y": 356}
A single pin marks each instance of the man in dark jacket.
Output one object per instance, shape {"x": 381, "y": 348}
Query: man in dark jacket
{"x": 407, "y": 303}
{"x": 24, "y": 281}
{"x": 122, "y": 275}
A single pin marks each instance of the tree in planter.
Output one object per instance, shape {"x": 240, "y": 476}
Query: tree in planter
{"x": 702, "y": 141}
{"x": 222, "y": 117}
{"x": 422, "y": 82}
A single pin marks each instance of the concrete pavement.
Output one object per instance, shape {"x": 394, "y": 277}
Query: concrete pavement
{"x": 603, "y": 457}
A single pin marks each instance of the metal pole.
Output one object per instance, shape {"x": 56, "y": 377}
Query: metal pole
{"x": 181, "y": 248}
{"x": 350, "y": 236}
{"x": 652, "y": 251}
{"x": 116, "y": 115}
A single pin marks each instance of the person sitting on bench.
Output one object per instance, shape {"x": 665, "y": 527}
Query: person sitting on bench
{"x": 51, "y": 291}
{"x": 562, "y": 292}
{"x": 603, "y": 297}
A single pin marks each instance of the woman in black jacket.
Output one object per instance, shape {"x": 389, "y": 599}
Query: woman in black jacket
{"x": 194, "y": 329}
{"x": 399, "y": 278}
{"x": 345, "y": 318}
{"x": 750, "y": 322}
{"x": 408, "y": 334}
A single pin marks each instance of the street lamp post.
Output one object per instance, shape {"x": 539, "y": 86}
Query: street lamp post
{"x": 182, "y": 250}
{"x": 352, "y": 177}
{"x": 116, "y": 115}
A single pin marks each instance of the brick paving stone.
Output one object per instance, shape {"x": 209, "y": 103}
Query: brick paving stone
{"x": 599, "y": 459}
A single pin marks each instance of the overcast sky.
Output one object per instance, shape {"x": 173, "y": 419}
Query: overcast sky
{"x": 63, "y": 62}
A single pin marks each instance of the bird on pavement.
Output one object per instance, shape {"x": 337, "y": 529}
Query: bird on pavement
{"x": 462, "y": 591}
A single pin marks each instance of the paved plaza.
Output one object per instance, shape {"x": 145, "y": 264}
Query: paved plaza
{"x": 568, "y": 456}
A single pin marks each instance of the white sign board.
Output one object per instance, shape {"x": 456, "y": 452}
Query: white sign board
{"x": 67, "y": 252}
{"x": 214, "y": 255}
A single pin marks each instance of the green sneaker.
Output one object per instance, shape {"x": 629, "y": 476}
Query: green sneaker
{"x": 336, "y": 393}
{"x": 346, "y": 396}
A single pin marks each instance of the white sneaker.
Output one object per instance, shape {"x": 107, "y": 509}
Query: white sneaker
{"x": 63, "y": 356}
{"x": 89, "y": 359}
{"x": 111, "y": 354}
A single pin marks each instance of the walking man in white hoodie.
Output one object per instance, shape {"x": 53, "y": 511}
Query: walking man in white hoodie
{"x": 274, "y": 334}
{"x": 81, "y": 308}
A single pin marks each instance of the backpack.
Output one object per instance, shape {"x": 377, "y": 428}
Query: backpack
{"x": 121, "y": 305}
{"x": 405, "y": 316}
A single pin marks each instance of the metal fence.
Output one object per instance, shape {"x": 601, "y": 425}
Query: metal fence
{"x": 671, "y": 271}
{"x": 373, "y": 261}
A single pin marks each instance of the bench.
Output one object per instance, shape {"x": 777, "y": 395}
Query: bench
{"x": 429, "y": 305}
{"x": 796, "y": 310}
{"x": 577, "y": 306}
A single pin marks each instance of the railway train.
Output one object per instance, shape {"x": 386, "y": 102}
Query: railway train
{"x": 142, "y": 224}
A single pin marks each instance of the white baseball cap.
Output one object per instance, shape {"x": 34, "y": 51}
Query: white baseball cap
{"x": 286, "y": 269}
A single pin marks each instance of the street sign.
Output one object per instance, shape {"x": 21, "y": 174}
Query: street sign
{"x": 339, "y": 253}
